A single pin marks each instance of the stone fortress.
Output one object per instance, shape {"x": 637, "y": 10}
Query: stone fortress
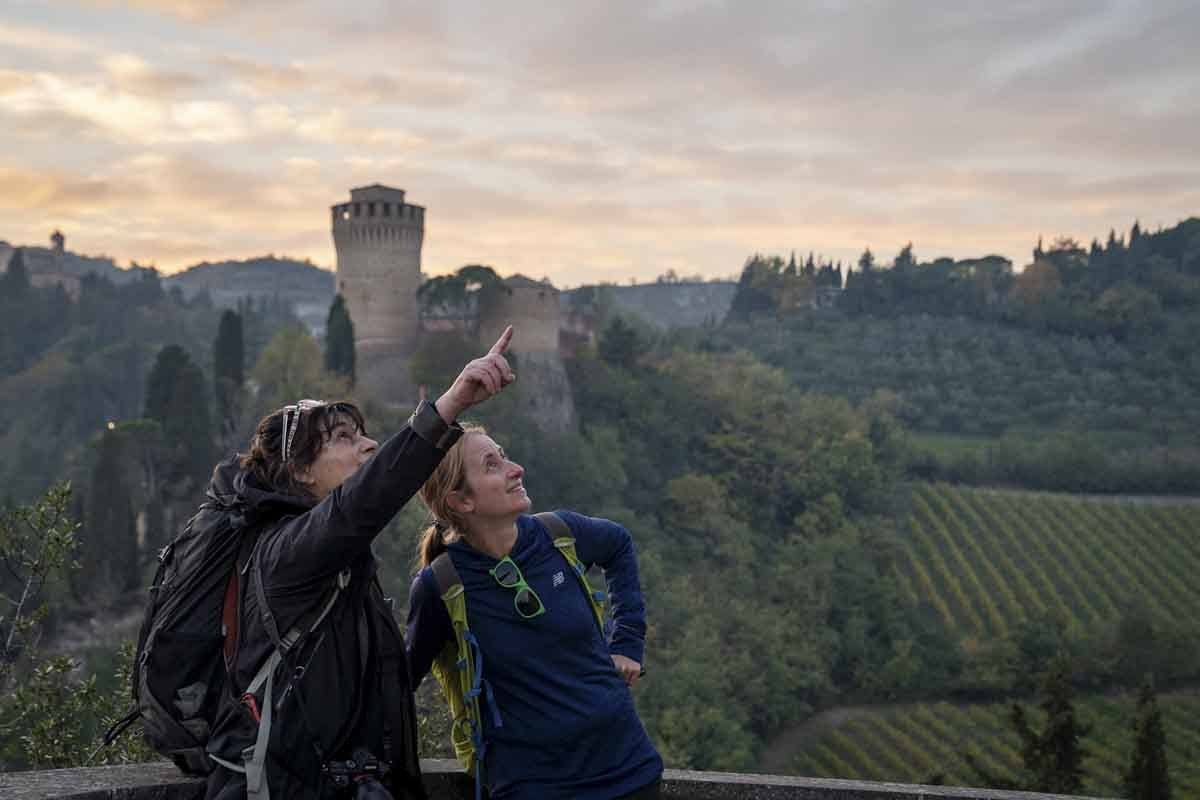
{"x": 378, "y": 237}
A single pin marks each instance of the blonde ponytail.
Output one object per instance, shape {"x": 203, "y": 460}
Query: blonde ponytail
{"x": 431, "y": 545}
{"x": 450, "y": 476}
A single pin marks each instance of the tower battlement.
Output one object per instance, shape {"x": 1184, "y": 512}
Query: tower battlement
{"x": 377, "y": 211}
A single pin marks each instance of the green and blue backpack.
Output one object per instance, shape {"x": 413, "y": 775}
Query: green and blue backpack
{"x": 459, "y": 666}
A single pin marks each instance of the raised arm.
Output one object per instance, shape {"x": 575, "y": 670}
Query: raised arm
{"x": 317, "y": 544}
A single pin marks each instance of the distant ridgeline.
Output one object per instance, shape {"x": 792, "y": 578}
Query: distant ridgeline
{"x": 663, "y": 305}
{"x": 307, "y": 288}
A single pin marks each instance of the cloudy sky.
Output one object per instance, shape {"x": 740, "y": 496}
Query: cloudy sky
{"x": 596, "y": 141}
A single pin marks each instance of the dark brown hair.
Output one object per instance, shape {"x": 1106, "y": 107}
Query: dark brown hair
{"x": 314, "y": 428}
{"x": 450, "y": 476}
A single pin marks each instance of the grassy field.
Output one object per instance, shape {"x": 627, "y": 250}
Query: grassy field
{"x": 916, "y": 743}
{"x": 987, "y": 560}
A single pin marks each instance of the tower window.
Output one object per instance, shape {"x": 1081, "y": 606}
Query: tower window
{"x": 387, "y": 209}
{"x": 370, "y": 209}
{"x": 358, "y": 209}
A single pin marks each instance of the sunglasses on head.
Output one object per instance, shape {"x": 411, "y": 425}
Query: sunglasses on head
{"x": 291, "y": 421}
{"x": 526, "y": 601}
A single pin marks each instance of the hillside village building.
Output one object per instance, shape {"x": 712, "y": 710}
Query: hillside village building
{"x": 47, "y": 267}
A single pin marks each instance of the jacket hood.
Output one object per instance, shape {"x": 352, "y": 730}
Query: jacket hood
{"x": 247, "y": 499}
{"x": 527, "y": 528}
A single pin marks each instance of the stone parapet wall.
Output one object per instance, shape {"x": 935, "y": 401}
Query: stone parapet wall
{"x": 444, "y": 781}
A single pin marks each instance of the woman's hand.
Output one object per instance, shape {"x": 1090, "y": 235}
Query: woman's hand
{"x": 630, "y": 670}
{"x": 479, "y": 380}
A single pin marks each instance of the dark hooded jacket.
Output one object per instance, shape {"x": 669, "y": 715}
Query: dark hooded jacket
{"x": 345, "y": 685}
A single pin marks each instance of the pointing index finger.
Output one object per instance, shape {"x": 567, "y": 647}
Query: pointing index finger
{"x": 502, "y": 343}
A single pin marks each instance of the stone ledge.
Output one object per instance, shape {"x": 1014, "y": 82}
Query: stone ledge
{"x": 445, "y": 781}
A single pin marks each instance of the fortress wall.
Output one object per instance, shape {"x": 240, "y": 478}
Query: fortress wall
{"x": 544, "y": 391}
{"x": 532, "y": 308}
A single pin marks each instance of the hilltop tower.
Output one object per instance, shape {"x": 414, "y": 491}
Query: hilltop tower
{"x": 378, "y": 238}
{"x": 543, "y": 389}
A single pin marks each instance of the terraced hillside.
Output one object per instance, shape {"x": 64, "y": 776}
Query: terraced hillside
{"x": 915, "y": 743}
{"x": 987, "y": 560}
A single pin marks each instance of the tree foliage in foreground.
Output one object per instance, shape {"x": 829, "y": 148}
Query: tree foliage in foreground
{"x": 1148, "y": 777}
{"x": 49, "y": 716}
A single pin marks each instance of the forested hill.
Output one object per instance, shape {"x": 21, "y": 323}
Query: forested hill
{"x": 266, "y": 276}
{"x": 1079, "y": 373}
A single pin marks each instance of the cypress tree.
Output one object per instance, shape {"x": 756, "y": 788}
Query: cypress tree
{"x": 1147, "y": 778}
{"x": 15, "y": 283}
{"x": 229, "y": 371}
{"x": 339, "y": 340}
{"x": 1053, "y": 757}
{"x": 866, "y": 262}
{"x": 229, "y": 349}
{"x": 188, "y": 425}
{"x": 177, "y": 397}
{"x": 109, "y": 562}
{"x": 161, "y": 382}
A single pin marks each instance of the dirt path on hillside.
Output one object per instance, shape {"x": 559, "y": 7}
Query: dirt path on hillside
{"x": 777, "y": 757}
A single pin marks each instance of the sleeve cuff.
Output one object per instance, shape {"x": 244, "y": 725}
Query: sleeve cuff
{"x": 428, "y": 424}
{"x": 631, "y": 650}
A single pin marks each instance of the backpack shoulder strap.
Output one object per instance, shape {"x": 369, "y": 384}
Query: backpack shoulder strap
{"x": 459, "y": 670}
{"x": 257, "y": 787}
{"x": 306, "y": 624}
{"x": 445, "y": 575}
{"x": 556, "y": 525}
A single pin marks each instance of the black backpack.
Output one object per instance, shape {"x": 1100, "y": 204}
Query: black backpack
{"x": 189, "y": 636}
{"x": 189, "y": 639}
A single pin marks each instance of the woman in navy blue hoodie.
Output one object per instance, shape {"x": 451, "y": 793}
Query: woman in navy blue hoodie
{"x": 560, "y": 690}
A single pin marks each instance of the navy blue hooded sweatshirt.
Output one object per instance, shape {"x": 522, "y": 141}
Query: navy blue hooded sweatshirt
{"x": 569, "y": 727}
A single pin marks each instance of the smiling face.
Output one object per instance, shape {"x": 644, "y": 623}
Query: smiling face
{"x": 494, "y": 490}
{"x": 344, "y": 450}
